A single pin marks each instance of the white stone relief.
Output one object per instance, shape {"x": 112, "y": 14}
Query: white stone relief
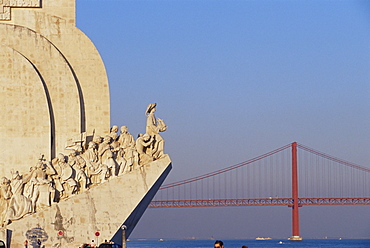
{"x": 84, "y": 167}
{"x": 127, "y": 156}
{"x": 65, "y": 184}
{"x": 5, "y": 195}
{"x": 19, "y": 204}
{"x": 40, "y": 188}
{"x": 143, "y": 145}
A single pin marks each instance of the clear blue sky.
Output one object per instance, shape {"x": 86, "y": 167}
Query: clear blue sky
{"x": 235, "y": 79}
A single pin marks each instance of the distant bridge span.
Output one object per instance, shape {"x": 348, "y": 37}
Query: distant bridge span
{"x": 258, "y": 202}
{"x": 274, "y": 179}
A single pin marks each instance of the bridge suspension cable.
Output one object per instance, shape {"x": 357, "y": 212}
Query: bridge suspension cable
{"x": 296, "y": 177}
{"x": 268, "y": 176}
{"x": 217, "y": 172}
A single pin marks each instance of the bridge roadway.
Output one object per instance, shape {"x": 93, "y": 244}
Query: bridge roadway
{"x": 258, "y": 202}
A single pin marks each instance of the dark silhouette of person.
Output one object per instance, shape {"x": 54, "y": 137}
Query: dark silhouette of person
{"x": 218, "y": 244}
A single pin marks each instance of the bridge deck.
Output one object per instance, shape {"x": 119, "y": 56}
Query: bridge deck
{"x": 258, "y": 202}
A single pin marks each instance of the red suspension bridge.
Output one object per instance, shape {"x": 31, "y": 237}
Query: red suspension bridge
{"x": 293, "y": 175}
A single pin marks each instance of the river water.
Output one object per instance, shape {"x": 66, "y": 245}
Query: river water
{"x": 306, "y": 243}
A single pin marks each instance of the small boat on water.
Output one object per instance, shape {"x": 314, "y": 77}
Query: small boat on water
{"x": 259, "y": 238}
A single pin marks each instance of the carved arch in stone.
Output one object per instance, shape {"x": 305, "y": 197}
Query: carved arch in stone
{"x": 58, "y": 80}
{"x": 25, "y": 111}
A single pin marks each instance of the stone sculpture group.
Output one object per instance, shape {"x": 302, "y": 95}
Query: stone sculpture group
{"x": 88, "y": 164}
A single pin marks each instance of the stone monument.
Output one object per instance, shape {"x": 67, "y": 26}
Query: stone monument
{"x": 67, "y": 177}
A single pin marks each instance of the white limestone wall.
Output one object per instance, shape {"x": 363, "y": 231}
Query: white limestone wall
{"x": 62, "y": 65}
{"x": 25, "y": 127}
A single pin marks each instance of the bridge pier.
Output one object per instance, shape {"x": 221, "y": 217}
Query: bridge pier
{"x": 295, "y": 213}
{"x": 295, "y": 238}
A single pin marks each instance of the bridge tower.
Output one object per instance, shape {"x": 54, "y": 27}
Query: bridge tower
{"x": 295, "y": 206}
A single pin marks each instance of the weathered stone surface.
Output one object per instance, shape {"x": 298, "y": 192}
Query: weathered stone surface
{"x": 53, "y": 61}
{"x": 25, "y": 129}
{"x": 103, "y": 209}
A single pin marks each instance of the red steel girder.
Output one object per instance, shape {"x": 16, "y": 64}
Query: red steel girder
{"x": 335, "y": 201}
{"x": 258, "y": 202}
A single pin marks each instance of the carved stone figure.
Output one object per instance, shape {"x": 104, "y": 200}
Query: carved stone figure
{"x": 93, "y": 167}
{"x": 97, "y": 139}
{"x": 104, "y": 147}
{"x": 117, "y": 155}
{"x": 5, "y": 195}
{"x": 130, "y": 159}
{"x": 153, "y": 127}
{"x": 158, "y": 147}
{"x": 108, "y": 165}
{"x": 115, "y": 145}
{"x": 64, "y": 182}
{"x": 106, "y": 158}
{"x": 91, "y": 155}
{"x": 128, "y": 151}
{"x": 78, "y": 164}
{"x": 143, "y": 144}
{"x": 121, "y": 161}
{"x": 40, "y": 189}
{"x": 126, "y": 139}
{"x": 114, "y": 132}
{"x": 19, "y": 205}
